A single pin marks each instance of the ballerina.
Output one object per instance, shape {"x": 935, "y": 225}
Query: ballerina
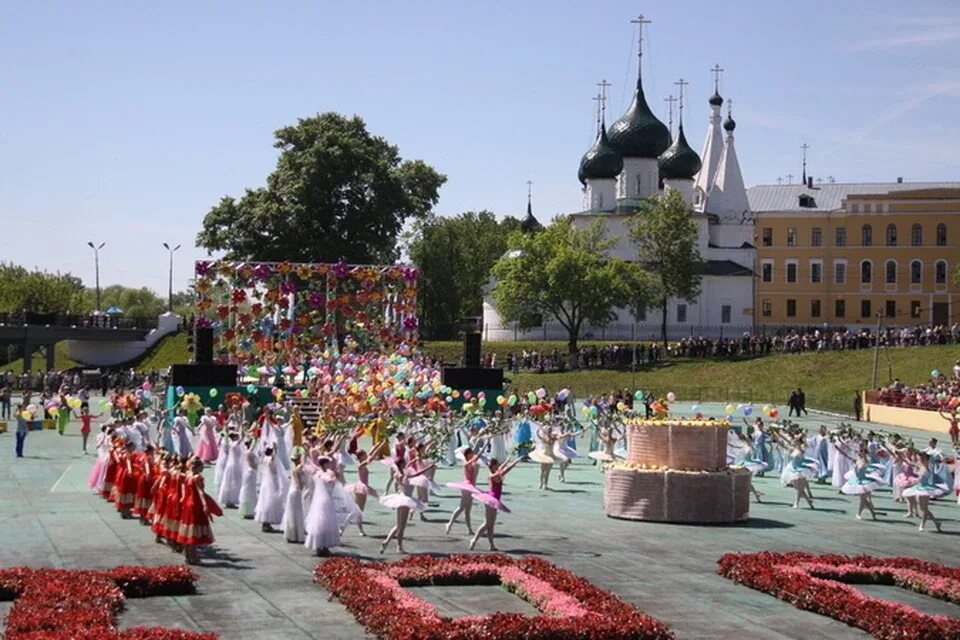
{"x": 422, "y": 481}
{"x": 906, "y": 476}
{"x": 207, "y": 442}
{"x": 403, "y": 501}
{"x": 861, "y": 481}
{"x": 564, "y": 452}
{"x": 492, "y": 503}
{"x": 322, "y": 525}
{"x": 760, "y": 437}
{"x": 467, "y": 489}
{"x": 929, "y": 487}
{"x": 361, "y": 489}
{"x": 607, "y": 438}
{"x": 797, "y": 471}
{"x": 746, "y": 458}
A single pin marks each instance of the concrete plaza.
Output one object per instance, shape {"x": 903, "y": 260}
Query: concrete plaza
{"x": 256, "y": 585}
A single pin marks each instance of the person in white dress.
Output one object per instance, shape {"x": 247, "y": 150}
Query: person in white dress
{"x": 248, "y": 485}
{"x": 294, "y": 528}
{"x": 231, "y": 479}
{"x": 182, "y": 432}
{"x": 322, "y": 525}
{"x": 270, "y": 501}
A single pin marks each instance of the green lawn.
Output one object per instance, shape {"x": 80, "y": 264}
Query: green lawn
{"x": 61, "y": 361}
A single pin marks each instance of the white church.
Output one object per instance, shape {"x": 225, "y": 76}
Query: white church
{"x": 636, "y": 159}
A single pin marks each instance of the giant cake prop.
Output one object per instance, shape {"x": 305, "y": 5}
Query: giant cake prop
{"x": 676, "y": 471}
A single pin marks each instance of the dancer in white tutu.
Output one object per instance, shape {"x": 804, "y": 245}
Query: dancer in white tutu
{"x": 564, "y": 452}
{"x": 797, "y": 471}
{"x": 322, "y": 524}
{"x": 294, "y": 527}
{"x": 248, "y": 484}
{"x": 861, "y": 482}
{"x": 467, "y": 488}
{"x": 492, "y": 502}
{"x": 231, "y": 480}
{"x": 403, "y": 502}
{"x": 928, "y": 488}
{"x": 420, "y": 468}
{"x": 270, "y": 501}
{"x": 740, "y": 448}
{"x": 607, "y": 437}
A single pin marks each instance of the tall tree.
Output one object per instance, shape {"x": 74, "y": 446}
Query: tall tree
{"x": 666, "y": 239}
{"x": 337, "y": 193}
{"x": 135, "y": 303}
{"x": 566, "y": 273}
{"x": 39, "y": 291}
{"x": 454, "y": 256}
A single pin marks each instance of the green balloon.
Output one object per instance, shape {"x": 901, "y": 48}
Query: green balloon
{"x": 638, "y": 395}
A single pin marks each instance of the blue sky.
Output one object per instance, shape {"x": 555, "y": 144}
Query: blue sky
{"x": 125, "y": 121}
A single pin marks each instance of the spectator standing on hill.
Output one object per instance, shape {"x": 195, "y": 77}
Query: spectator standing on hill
{"x": 801, "y": 402}
{"x": 793, "y": 404}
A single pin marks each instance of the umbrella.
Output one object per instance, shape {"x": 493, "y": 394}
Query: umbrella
{"x": 115, "y": 311}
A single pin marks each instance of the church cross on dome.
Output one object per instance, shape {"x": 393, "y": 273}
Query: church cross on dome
{"x": 640, "y": 21}
{"x": 716, "y": 71}
{"x": 670, "y": 100}
{"x": 680, "y": 83}
{"x": 604, "y": 85}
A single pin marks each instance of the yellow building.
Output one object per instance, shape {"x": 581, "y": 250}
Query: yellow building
{"x": 844, "y": 254}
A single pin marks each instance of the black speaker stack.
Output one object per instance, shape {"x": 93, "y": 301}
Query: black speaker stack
{"x": 472, "y": 375}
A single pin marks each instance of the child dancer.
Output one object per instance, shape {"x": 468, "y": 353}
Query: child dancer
{"x": 929, "y": 487}
{"x": 861, "y": 482}
{"x": 797, "y": 471}
{"x": 85, "y": 418}
{"x": 196, "y": 513}
{"x": 361, "y": 488}
{"x": 403, "y": 502}
{"x": 543, "y": 453}
{"x": 467, "y": 488}
{"x": 491, "y": 502}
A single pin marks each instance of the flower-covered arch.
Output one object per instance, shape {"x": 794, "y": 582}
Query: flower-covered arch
{"x": 263, "y": 311}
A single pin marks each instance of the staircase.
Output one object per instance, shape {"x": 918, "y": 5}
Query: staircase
{"x": 309, "y": 410}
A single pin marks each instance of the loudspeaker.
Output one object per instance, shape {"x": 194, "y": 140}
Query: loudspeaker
{"x": 472, "y": 378}
{"x": 471, "y": 349}
{"x": 203, "y": 375}
{"x": 203, "y": 346}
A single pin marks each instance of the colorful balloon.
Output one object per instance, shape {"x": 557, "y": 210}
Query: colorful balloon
{"x": 671, "y": 397}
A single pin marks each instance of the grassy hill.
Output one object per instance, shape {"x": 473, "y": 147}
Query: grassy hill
{"x": 829, "y": 379}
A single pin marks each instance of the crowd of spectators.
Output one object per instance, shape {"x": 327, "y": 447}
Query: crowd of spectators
{"x": 935, "y": 394}
{"x": 98, "y": 379}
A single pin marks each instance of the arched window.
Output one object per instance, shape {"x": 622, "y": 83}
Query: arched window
{"x": 916, "y": 272}
{"x": 891, "y": 235}
{"x": 940, "y": 272}
{"x": 866, "y": 272}
{"x": 941, "y": 235}
{"x": 866, "y": 235}
{"x": 916, "y": 235}
{"x": 891, "y": 271}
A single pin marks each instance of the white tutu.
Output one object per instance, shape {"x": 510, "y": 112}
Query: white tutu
{"x": 853, "y": 488}
{"x": 541, "y": 456}
{"x": 790, "y": 472}
{"x": 347, "y": 510}
{"x": 563, "y": 451}
{"x": 424, "y": 482}
{"x": 361, "y": 489}
{"x": 930, "y": 491}
{"x": 397, "y": 500}
{"x": 603, "y": 456}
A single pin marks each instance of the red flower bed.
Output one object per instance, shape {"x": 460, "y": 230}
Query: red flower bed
{"x": 822, "y": 584}
{"x": 83, "y": 605}
{"x": 571, "y": 607}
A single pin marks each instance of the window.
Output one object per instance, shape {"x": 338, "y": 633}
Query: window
{"x": 791, "y": 272}
{"x": 681, "y": 313}
{"x": 791, "y": 308}
{"x": 814, "y": 308}
{"x": 816, "y": 271}
{"x": 891, "y": 308}
{"x": 840, "y": 272}
{"x": 725, "y": 314}
{"x": 816, "y": 237}
{"x": 766, "y": 307}
{"x": 866, "y": 236}
{"x": 916, "y": 235}
{"x": 792, "y": 237}
{"x": 941, "y": 235}
{"x": 841, "y": 236}
{"x": 891, "y": 271}
{"x": 916, "y": 272}
{"x": 891, "y": 235}
{"x": 840, "y": 308}
{"x": 767, "y": 237}
{"x": 865, "y": 309}
{"x": 766, "y": 270}
{"x": 940, "y": 272}
{"x": 866, "y": 272}
{"x": 915, "y": 309}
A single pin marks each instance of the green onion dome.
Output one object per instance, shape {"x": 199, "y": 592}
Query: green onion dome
{"x": 679, "y": 161}
{"x": 601, "y": 160}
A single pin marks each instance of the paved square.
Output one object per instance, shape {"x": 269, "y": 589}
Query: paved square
{"x": 255, "y": 585}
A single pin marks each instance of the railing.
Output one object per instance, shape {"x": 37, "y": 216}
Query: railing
{"x": 89, "y": 321}
{"x": 891, "y": 398}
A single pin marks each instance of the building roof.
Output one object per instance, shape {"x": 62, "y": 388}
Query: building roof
{"x": 826, "y": 197}
{"x": 638, "y": 133}
{"x": 679, "y": 161}
{"x": 724, "y": 268}
{"x": 601, "y": 161}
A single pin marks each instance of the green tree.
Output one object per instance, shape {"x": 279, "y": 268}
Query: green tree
{"x": 566, "y": 273}
{"x": 337, "y": 193}
{"x": 666, "y": 239}
{"x": 135, "y": 303}
{"x": 454, "y": 256}
{"x": 39, "y": 291}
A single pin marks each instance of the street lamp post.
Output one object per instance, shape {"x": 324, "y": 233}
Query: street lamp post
{"x": 170, "y": 281}
{"x": 96, "y": 264}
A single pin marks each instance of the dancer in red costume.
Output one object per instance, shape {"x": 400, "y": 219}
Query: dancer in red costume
{"x": 196, "y": 513}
